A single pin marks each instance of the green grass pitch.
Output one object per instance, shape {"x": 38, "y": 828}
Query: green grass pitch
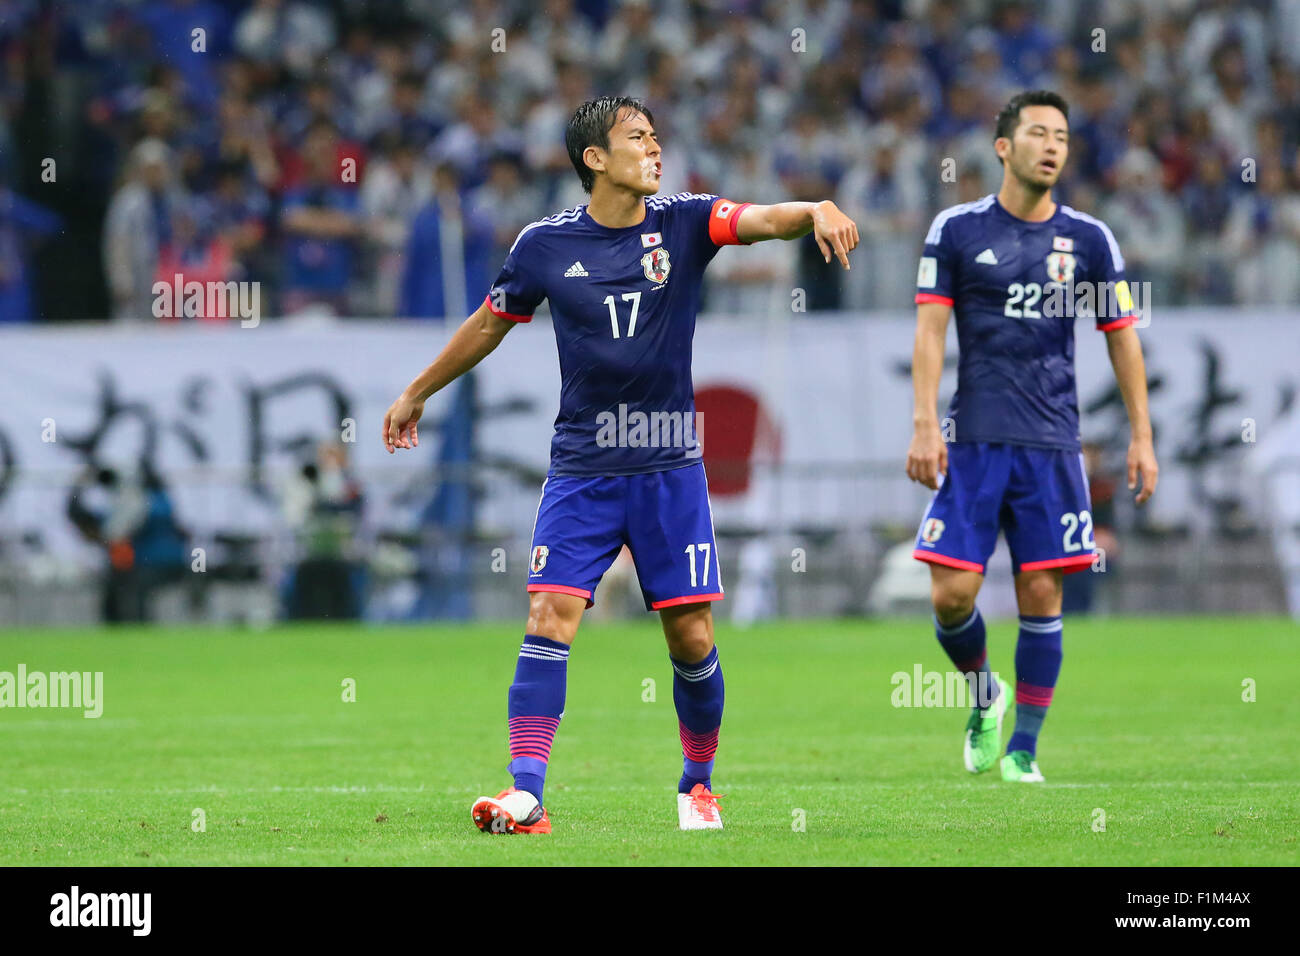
{"x": 1148, "y": 726}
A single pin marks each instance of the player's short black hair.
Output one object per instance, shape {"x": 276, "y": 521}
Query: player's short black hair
{"x": 590, "y": 126}
{"x": 1009, "y": 118}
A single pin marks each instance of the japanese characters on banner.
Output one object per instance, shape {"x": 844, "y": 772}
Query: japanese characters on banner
{"x": 820, "y": 405}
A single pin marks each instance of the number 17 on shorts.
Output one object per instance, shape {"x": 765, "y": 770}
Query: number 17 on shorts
{"x": 663, "y": 517}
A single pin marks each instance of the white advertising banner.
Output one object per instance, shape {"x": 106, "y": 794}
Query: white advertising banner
{"x": 218, "y": 409}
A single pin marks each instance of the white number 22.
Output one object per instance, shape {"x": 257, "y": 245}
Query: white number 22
{"x": 1031, "y": 293}
{"x": 1071, "y": 523}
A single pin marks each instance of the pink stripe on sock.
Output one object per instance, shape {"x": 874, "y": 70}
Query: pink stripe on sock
{"x": 698, "y": 747}
{"x": 1033, "y": 695}
{"x": 532, "y": 736}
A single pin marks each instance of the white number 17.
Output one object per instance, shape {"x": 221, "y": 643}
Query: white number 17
{"x": 705, "y": 548}
{"x": 635, "y": 298}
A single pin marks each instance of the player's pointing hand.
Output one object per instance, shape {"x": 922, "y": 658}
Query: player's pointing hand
{"x": 834, "y": 232}
{"x": 399, "y": 424}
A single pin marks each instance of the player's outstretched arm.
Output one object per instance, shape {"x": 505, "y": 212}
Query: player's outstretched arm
{"x": 835, "y": 232}
{"x": 1125, "y": 350}
{"x": 927, "y": 456}
{"x": 480, "y": 334}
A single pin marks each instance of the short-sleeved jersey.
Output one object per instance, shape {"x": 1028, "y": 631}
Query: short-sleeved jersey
{"x": 623, "y": 304}
{"x": 1016, "y": 289}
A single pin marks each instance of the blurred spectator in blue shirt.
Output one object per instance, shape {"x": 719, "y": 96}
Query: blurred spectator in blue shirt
{"x": 449, "y": 257}
{"x": 239, "y": 211}
{"x": 1026, "y": 45}
{"x": 405, "y": 118}
{"x": 1262, "y": 234}
{"x": 319, "y": 104}
{"x": 398, "y": 184}
{"x": 506, "y": 202}
{"x": 941, "y": 43}
{"x": 470, "y": 143}
{"x": 172, "y": 24}
{"x": 21, "y": 222}
{"x": 321, "y": 222}
{"x": 1207, "y": 201}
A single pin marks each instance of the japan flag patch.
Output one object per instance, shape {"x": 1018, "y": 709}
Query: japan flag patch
{"x": 650, "y": 239}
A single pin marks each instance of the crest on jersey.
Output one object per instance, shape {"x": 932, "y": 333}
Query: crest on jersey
{"x": 1060, "y": 267}
{"x": 656, "y": 264}
{"x": 540, "y": 554}
{"x": 931, "y": 530}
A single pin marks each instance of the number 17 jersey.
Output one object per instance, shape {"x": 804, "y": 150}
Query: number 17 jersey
{"x": 623, "y": 304}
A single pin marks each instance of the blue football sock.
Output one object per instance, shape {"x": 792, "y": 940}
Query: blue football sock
{"x": 1038, "y": 664}
{"x": 698, "y": 694}
{"x": 966, "y": 646}
{"x": 535, "y": 705}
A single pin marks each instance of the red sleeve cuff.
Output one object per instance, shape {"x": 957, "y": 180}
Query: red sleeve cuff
{"x": 505, "y": 315}
{"x": 923, "y": 297}
{"x": 724, "y": 221}
{"x": 1122, "y": 322}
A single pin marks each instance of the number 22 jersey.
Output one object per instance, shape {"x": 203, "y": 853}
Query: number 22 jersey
{"x": 1016, "y": 288}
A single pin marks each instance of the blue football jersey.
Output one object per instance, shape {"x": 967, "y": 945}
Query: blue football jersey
{"x": 1016, "y": 289}
{"x": 623, "y": 304}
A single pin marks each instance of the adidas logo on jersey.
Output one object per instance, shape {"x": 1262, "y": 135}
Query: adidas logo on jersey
{"x": 987, "y": 258}
{"x": 575, "y": 270}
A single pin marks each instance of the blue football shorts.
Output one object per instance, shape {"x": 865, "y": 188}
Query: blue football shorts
{"x": 663, "y": 517}
{"x": 1037, "y": 497}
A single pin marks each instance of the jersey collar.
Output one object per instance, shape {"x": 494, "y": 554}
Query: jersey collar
{"x": 1002, "y": 211}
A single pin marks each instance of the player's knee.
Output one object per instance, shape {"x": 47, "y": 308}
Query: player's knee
{"x": 1039, "y": 593}
{"x": 554, "y": 616}
{"x": 952, "y": 604}
{"x": 689, "y": 634}
{"x": 692, "y": 647}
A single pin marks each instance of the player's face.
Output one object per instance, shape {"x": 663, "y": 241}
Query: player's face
{"x": 1037, "y": 151}
{"x": 633, "y": 160}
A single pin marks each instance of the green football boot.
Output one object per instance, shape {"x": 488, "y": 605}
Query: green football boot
{"x": 1019, "y": 766}
{"x": 983, "y": 740}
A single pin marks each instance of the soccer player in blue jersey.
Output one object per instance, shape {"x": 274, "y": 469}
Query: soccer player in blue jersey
{"x": 1016, "y": 268}
{"x": 622, "y": 274}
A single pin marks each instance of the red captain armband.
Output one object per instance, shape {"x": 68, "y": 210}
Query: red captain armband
{"x": 502, "y": 314}
{"x": 724, "y": 219}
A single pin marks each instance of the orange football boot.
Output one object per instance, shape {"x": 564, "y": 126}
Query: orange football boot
{"x": 510, "y": 811}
